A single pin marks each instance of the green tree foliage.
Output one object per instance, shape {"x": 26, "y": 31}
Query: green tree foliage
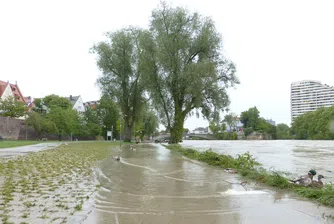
{"x": 56, "y": 101}
{"x": 317, "y": 124}
{"x": 231, "y": 120}
{"x": 253, "y": 122}
{"x": 248, "y": 131}
{"x": 119, "y": 58}
{"x": 108, "y": 112}
{"x": 217, "y": 129}
{"x": 283, "y": 131}
{"x": 40, "y": 124}
{"x": 185, "y": 68}
{"x": 54, "y": 114}
{"x": 67, "y": 121}
{"x": 10, "y": 107}
{"x": 151, "y": 123}
{"x": 250, "y": 118}
{"x": 147, "y": 123}
{"x": 92, "y": 122}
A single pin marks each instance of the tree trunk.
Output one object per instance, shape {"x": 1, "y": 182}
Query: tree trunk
{"x": 127, "y": 133}
{"x": 176, "y": 132}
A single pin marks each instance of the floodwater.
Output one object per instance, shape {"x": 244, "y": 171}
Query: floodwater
{"x": 294, "y": 157}
{"x": 153, "y": 185}
{"x": 21, "y": 150}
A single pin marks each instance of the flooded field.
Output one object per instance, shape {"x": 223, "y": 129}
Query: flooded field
{"x": 153, "y": 185}
{"x": 50, "y": 186}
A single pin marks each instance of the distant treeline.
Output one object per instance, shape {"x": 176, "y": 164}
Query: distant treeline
{"x": 315, "y": 125}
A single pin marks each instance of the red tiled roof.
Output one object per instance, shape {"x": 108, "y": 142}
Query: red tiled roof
{"x": 15, "y": 89}
{"x": 3, "y": 86}
{"x": 17, "y": 93}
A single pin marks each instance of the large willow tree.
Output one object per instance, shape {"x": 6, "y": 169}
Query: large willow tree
{"x": 118, "y": 58}
{"x": 186, "y": 70}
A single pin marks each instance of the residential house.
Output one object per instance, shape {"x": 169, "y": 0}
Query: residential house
{"x": 91, "y": 104}
{"x": 77, "y": 103}
{"x": 10, "y": 90}
{"x": 200, "y": 130}
{"x": 238, "y": 126}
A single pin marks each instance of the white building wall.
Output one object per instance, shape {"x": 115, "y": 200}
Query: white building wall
{"x": 309, "y": 95}
{"x": 7, "y": 93}
{"x": 79, "y": 105}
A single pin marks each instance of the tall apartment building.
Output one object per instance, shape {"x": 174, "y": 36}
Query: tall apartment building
{"x": 309, "y": 95}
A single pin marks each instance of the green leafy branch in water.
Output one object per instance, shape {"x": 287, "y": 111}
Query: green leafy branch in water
{"x": 243, "y": 161}
{"x": 246, "y": 161}
{"x": 246, "y": 165}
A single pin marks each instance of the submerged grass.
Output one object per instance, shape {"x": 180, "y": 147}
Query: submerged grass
{"x": 40, "y": 178}
{"x": 250, "y": 169}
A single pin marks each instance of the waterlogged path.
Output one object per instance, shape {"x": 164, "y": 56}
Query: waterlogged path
{"x": 152, "y": 185}
{"x": 21, "y": 150}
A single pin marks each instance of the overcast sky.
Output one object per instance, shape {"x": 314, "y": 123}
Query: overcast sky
{"x": 44, "y": 45}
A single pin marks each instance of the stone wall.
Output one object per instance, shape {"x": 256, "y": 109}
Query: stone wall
{"x": 14, "y": 129}
{"x": 10, "y": 128}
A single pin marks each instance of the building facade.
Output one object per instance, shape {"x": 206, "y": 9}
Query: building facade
{"x": 309, "y": 95}
{"x": 77, "y": 103}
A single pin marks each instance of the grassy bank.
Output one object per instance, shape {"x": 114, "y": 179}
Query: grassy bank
{"x": 250, "y": 169}
{"x": 11, "y": 144}
{"x": 49, "y": 185}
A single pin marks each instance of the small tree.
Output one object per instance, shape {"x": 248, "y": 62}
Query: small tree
{"x": 251, "y": 118}
{"x": 217, "y": 129}
{"x": 92, "y": 122}
{"x": 231, "y": 120}
{"x": 40, "y": 124}
{"x": 283, "y": 131}
{"x": 108, "y": 113}
{"x": 10, "y": 107}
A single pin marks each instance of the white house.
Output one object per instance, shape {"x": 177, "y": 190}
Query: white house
{"x": 238, "y": 126}
{"x": 77, "y": 103}
{"x": 10, "y": 90}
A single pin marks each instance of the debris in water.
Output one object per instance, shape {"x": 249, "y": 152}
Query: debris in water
{"x": 230, "y": 170}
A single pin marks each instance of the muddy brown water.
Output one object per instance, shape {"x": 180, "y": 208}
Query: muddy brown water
{"x": 153, "y": 185}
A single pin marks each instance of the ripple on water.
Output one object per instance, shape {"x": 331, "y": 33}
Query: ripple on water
{"x": 173, "y": 190}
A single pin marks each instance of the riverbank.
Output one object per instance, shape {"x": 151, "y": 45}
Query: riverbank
{"x": 250, "y": 169}
{"x": 55, "y": 185}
